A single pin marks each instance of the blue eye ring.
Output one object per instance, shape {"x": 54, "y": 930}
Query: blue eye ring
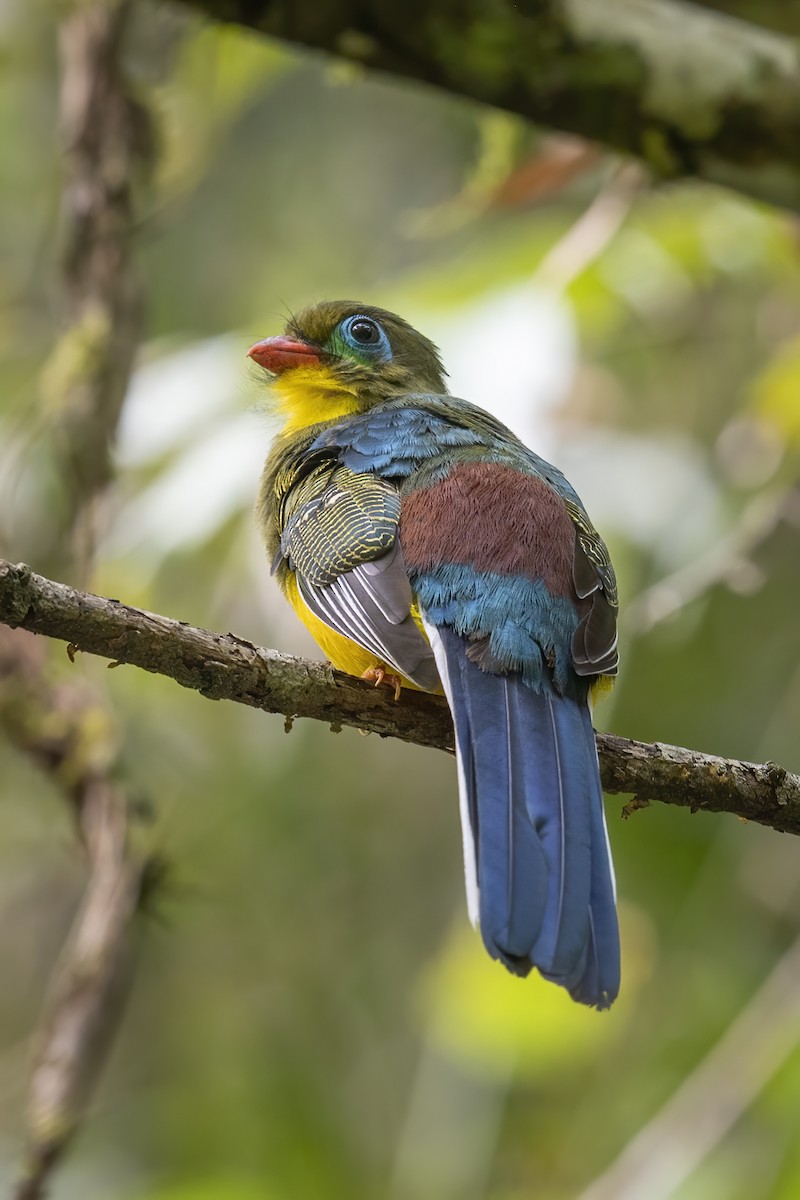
{"x": 365, "y": 336}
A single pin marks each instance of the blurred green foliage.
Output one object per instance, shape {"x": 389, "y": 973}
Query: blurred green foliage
{"x": 313, "y": 1017}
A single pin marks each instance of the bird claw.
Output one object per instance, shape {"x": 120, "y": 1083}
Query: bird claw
{"x": 379, "y": 675}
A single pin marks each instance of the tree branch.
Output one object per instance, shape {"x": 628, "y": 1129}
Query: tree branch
{"x": 104, "y": 134}
{"x": 670, "y": 1147}
{"x": 89, "y": 986}
{"x": 781, "y": 15}
{"x": 225, "y": 667}
{"x": 688, "y": 90}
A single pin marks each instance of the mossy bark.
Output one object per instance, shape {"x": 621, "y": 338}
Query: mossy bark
{"x": 688, "y": 90}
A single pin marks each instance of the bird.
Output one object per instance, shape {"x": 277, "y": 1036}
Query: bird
{"x": 425, "y": 546}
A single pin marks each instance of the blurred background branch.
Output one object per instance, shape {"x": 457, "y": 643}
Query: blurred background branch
{"x": 709, "y": 1102}
{"x": 90, "y": 983}
{"x": 781, "y": 15}
{"x": 224, "y": 667}
{"x": 688, "y": 90}
{"x": 731, "y": 562}
{"x": 594, "y": 229}
{"x": 105, "y": 137}
{"x": 65, "y": 728}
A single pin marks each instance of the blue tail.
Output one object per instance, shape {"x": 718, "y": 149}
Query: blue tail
{"x": 539, "y": 874}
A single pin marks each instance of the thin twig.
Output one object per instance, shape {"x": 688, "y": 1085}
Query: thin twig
{"x": 708, "y": 1103}
{"x": 729, "y": 561}
{"x": 225, "y": 667}
{"x": 594, "y": 230}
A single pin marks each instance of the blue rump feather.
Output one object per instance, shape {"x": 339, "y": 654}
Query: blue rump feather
{"x": 518, "y": 616}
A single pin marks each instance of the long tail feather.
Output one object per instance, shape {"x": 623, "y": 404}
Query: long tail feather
{"x": 535, "y": 845}
{"x": 603, "y": 968}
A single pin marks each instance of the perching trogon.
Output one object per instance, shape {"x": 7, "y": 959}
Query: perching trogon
{"x": 422, "y": 543}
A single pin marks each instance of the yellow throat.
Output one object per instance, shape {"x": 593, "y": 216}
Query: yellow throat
{"x": 310, "y": 396}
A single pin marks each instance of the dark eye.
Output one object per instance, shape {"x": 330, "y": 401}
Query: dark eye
{"x": 365, "y": 332}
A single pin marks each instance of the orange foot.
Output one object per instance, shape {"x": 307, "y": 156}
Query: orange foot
{"x": 380, "y": 675}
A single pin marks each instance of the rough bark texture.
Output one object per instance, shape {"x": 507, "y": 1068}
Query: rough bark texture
{"x": 688, "y": 90}
{"x": 225, "y": 667}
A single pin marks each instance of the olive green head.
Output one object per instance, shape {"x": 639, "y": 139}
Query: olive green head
{"x": 352, "y": 348}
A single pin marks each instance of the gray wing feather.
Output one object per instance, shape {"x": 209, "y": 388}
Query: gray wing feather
{"x": 371, "y": 605}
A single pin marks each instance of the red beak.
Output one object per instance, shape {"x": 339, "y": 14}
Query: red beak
{"x": 278, "y": 354}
